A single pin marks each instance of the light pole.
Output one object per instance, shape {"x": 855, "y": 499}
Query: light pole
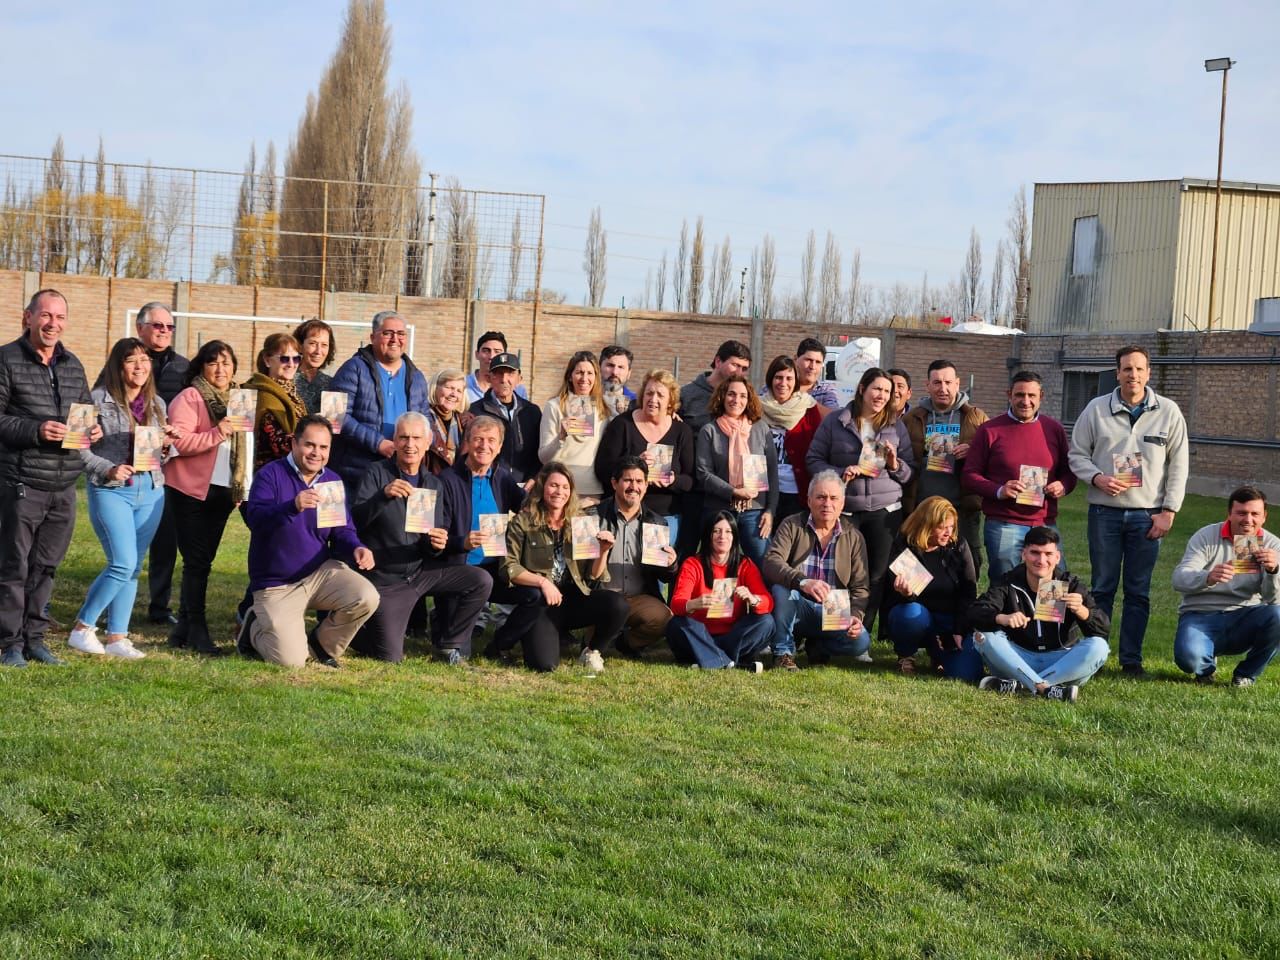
{"x": 1221, "y": 65}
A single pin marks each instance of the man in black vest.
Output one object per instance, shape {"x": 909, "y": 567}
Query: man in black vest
{"x": 39, "y": 380}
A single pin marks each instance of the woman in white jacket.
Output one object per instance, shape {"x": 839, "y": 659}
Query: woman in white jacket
{"x": 572, "y": 424}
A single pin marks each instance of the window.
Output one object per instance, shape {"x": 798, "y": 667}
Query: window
{"x": 1081, "y": 386}
{"x": 1084, "y": 246}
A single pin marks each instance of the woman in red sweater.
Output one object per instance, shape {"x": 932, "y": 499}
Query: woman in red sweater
{"x": 793, "y": 417}
{"x": 721, "y": 604}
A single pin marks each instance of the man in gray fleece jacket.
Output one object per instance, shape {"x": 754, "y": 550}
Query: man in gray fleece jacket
{"x": 1229, "y": 579}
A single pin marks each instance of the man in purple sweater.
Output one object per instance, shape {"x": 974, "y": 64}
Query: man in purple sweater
{"x": 1018, "y": 463}
{"x": 294, "y": 562}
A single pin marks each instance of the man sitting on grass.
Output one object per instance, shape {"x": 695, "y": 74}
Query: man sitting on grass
{"x": 1229, "y": 579}
{"x": 1042, "y": 657}
{"x": 293, "y": 563}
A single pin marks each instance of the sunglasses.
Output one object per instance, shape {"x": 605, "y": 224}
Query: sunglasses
{"x": 164, "y": 326}
{"x": 294, "y": 358}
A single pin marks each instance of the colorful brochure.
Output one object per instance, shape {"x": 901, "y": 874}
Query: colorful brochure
{"x": 242, "y": 409}
{"x": 657, "y": 536}
{"x": 1128, "y": 467}
{"x": 585, "y": 544}
{"x": 722, "y": 595}
{"x": 1034, "y": 480}
{"x": 662, "y": 466}
{"x": 148, "y": 448}
{"x": 940, "y": 442}
{"x": 420, "y": 511}
{"x": 333, "y": 407}
{"x": 837, "y": 610}
{"x": 493, "y": 528}
{"x": 1050, "y": 606}
{"x": 582, "y": 411}
{"x": 908, "y": 566}
{"x": 81, "y": 418}
{"x": 755, "y": 472}
{"x": 1245, "y": 549}
{"x": 332, "y": 511}
{"x": 872, "y": 460}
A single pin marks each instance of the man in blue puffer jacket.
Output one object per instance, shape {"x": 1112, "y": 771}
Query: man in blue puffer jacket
{"x": 381, "y": 383}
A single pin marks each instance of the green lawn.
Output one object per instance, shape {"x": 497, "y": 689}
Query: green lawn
{"x": 178, "y": 807}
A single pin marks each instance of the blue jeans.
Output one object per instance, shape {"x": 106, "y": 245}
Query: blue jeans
{"x": 692, "y": 642}
{"x": 753, "y": 545}
{"x": 1119, "y": 536}
{"x": 796, "y": 615}
{"x": 913, "y": 625}
{"x": 1252, "y": 631}
{"x": 1008, "y": 661}
{"x": 1003, "y": 542}
{"x": 125, "y": 519}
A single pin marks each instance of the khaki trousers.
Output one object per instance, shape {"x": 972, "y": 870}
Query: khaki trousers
{"x": 647, "y": 621}
{"x": 280, "y": 632}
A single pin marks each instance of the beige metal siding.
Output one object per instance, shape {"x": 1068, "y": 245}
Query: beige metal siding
{"x": 1131, "y": 287}
{"x": 1248, "y": 256}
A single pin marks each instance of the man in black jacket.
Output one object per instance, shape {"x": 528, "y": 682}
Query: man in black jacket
{"x": 39, "y": 380}
{"x": 156, "y": 329}
{"x": 522, "y": 419}
{"x": 411, "y": 565}
{"x": 625, "y": 516}
{"x": 1018, "y": 637}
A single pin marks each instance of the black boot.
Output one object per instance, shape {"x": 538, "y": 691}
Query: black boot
{"x": 179, "y": 635}
{"x": 199, "y": 640}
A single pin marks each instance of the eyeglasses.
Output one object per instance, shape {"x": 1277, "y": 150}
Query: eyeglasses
{"x": 163, "y": 326}
{"x": 393, "y": 334}
{"x": 289, "y": 359}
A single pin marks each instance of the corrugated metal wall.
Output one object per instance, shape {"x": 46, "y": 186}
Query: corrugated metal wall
{"x": 1131, "y": 287}
{"x": 1248, "y": 256}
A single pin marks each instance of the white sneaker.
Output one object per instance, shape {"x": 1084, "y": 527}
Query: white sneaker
{"x": 864, "y": 657}
{"x": 85, "y": 639}
{"x": 592, "y": 660}
{"x": 124, "y": 649}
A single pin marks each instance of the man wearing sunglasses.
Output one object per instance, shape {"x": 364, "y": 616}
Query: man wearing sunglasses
{"x": 381, "y": 383}
{"x": 156, "y": 329}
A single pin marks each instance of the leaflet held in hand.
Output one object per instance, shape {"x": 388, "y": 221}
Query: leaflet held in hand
{"x": 1050, "y": 605}
{"x": 908, "y": 566}
{"x": 332, "y": 511}
{"x": 582, "y": 412}
{"x": 755, "y": 472}
{"x": 242, "y": 409}
{"x": 493, "y": 530}
{"x": 420, "y": 511}
{"x": 1245, "y": 549}
{"x": 657, "y": 536}
{"x": 940, "y": 442}
{"x": 148, "y": 447}
{"x": 837, "y": 610}
{"x": 1034, "y": 480}
{"x": 722, "y": 598}
{"x": 661, "y": 466}
{"x": 81, "y": 418}
{"x": 585, "y": 544}
{"x": 333, "y": 407}
{"x": 1128, "y": 468}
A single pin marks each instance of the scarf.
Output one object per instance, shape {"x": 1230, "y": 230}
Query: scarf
{"x": 445, "y": 435}
{"x": 215, "y": 401}
{"x": 738, "y": 431}
{"x": 784, "y": 416}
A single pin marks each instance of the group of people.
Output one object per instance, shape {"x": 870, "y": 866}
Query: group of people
{"x": 738, "y": 524}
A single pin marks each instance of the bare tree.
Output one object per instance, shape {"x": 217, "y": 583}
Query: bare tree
{"x": 924, "y": 296}
{"x": 353, "y": 132}
{"x": 696, "y": 268}
{"x": 829, "y": 299}
{"x": 1018, "y": 251}
{"x": 682, "y": 260}
{"x": 457, "y": 265}
{"x": 660, "y": 285}
{"x": 514, "y": 258}
{"x": 808, "y": 261}
{"x": 856, "y": 306}
{"x": 595, "y": 259}
{"x": 768, "y": 276}
{"x": 721, "y": 279}
{"x": 996, "y": 310}
{"x": 971, "y": 276}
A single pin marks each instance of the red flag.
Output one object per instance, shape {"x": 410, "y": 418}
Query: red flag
{"x": 946, "y": 320}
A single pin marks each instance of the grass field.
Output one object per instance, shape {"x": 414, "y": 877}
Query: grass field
{"x": 179, "y": 807}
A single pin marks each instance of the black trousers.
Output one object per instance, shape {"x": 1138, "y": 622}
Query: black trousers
{"x": 199, "y": 525}
{"x": 878, "y": 528}
{"x": 164, "y": 554}
{"x": 37, "y": 529}
{"x": 538, "y": 627}
{"x": 467, "y": 589}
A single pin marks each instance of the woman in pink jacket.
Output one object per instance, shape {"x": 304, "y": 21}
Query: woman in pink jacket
{"x": 203, "y": 483}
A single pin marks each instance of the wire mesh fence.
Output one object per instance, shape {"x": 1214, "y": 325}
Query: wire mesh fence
{"x": 130, "y": 220}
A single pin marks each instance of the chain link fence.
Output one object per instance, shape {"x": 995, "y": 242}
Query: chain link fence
{"x": 129, "y": 220}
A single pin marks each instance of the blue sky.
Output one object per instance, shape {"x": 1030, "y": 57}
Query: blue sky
{"x": 896, "y": 127}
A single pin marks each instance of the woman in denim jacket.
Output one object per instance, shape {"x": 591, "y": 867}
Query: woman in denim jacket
{"x": 125, "y": 505}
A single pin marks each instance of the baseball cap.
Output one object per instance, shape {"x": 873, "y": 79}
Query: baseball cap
{"x": 509, "y": 361}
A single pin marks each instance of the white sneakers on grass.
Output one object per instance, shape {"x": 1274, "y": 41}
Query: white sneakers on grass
{"x": 85, "y": 639}
{"x": 592, "y": 660}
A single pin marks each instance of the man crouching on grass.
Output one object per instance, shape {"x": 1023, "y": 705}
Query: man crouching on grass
{"x": 1229, "y": 579}
{"x": 293, "y": 563}
{"x": 1046, "y": 657}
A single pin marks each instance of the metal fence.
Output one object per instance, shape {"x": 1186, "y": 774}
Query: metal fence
{"x": 130, "y": 220}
